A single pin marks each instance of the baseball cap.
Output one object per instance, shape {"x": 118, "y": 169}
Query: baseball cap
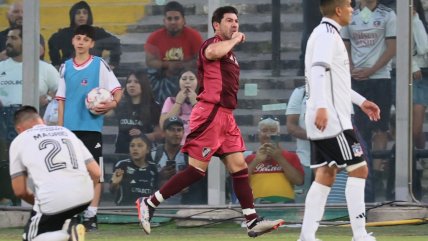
{"x": 172, "y": 120}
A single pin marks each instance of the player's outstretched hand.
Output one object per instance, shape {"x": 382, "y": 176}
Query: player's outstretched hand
{"x": 371, "y": 110}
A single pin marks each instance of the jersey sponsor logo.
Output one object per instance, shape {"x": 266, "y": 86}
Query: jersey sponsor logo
{"x": 267, "y": 168}
{"x": 357, "y": 150}
{"x": 3, "y": 73}
{"x": 206, "y": 151}
{"x": 132, "y": 181}
{"x": 11, "y": 82}
{"x": 130, "y": 170}
{"x": 98, "y": 145}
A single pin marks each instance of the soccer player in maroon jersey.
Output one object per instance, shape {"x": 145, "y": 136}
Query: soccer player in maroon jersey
{"x": 213, "y": 130}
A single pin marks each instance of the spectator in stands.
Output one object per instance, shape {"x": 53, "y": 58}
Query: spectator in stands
{"x": 170, "y": 160}
{"x": 137, "y": 176}
{"x": 79, "y": 76}
{"x": 371, "y": 43}
{"x": 11, "y": 84}
{"x": 170, "y": 50}
{"x": 138, "y": 112}
{"x": 273, "y": 164}
{"x": 420, "y": 75}
{"x": 61, "y": 48}
{"x": 182, "y": 104}
{"x": 14, "y": 17}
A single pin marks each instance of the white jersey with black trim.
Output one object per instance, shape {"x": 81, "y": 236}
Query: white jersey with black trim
{"x": 325, "y": 48}
{"x": 55, "y": 159}
{"x": 367, "y": 33}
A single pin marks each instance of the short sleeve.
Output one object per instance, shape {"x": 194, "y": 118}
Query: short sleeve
{"x": 391, "y": 26}
{"x": 108, "y": 79}
{"x": 295, "y": 102}
{"x": 60, "y": 93}
{"x": 167, "y": 105}
{"x": 16, "y": 165}
{"x": 323, "y": 49}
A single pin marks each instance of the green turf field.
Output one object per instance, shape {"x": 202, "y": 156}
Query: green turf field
{"x": 230, "y": 231}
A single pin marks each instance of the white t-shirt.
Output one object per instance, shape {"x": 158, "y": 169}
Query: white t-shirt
{"x": 55, "y": 159}
{"x": 325, "y": 48}
{"x": 367, "y": 34}
{"x": 11, "y": 80}
{"x": 297, "y": 106}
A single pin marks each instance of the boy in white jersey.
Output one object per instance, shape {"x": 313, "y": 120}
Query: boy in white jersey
{"x": 80, "y": 75}
{"x": 58, "y": 163}
{"x": 328, "y": 122}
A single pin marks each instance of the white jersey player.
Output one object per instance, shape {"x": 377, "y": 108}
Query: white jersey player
{"x": 328, "y": 122}
{"x": 62, "y": 170}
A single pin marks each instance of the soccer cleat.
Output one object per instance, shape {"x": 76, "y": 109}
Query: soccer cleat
{"x": 75, "y": 231}
{"x": 90, "y": 223}
{"x": 261, "y": 226}
{"x": 368, "y": 237}
{"x": 145, "y": 214}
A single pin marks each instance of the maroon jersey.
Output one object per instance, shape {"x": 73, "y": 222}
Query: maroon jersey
{"x": 218, "y": 79}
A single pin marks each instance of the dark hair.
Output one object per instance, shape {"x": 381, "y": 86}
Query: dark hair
{"x": 174, "y": 6}
{"x": 219, "y": 14}
{"x": 17, "y": 27}
{"x": 77, "y": 6}
{"x": 24, "y": 113}
{"x": 85, "y": 29}
{"x": 148, "y": 144}
{"x": 417, "y": 5}
{"x": 147, "y": 103}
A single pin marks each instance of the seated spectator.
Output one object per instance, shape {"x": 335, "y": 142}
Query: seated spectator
{"x": 61, "y": 49}
{"x": 135, "y": 177}
{"x": 273, "y": 164}
{"x": 182, "y": 104}
{"x": 170, "y": 160}
{"x": 170, "y": 50}
{"x": 138, "y": 113}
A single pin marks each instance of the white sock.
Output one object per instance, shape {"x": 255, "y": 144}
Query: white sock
{"x": 314, "y": 210}
{"x": 59, "y": 235}
{"x": 90, "y": 212}
{"x": 354, "y": 193}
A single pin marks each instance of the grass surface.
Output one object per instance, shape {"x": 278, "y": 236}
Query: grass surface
{"x": 230, "y": 231}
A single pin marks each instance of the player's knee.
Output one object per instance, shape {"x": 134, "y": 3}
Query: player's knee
{"x": 359, "y": 170}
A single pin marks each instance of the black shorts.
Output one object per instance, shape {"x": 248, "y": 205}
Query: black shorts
{"x": 42, "y": 223}
{"x": 378, "y": 91}
{"x": 342, "y": 150}
{"x": 93, "y": 141}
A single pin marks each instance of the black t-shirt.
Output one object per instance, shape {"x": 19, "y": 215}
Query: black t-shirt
{"x": 137, "y": 182}
{"x": 129, "y": 117}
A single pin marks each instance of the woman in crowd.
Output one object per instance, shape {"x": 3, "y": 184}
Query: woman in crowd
{"x": 138, "y": 113}
{"x": 181, "y": 105}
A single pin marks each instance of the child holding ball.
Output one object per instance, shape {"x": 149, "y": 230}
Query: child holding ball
{"x": 79, "y": 75}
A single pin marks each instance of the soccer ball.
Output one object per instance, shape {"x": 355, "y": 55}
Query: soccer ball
{"x": 95, "y": 97}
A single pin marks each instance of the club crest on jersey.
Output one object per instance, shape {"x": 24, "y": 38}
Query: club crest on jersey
{"x": 376, "y": 23}
{"x": 84, "y": 82}
{"x": 130, "y": 170}
{"x": 357, "y": 150}
{"x": 206, "y": 151}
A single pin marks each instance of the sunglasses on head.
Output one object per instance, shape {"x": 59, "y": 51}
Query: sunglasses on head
{"x": 264, "y": 117}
